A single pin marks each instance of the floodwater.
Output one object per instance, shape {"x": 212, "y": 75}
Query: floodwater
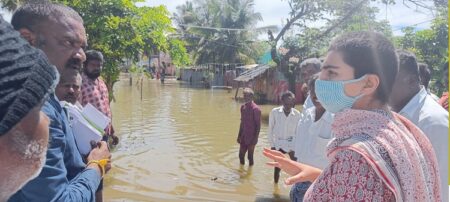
{"x": 179, "y": 144}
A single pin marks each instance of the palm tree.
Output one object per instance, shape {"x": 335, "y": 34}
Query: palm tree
{"x": 219, "y": 31}
{"x": 185, "y": 15}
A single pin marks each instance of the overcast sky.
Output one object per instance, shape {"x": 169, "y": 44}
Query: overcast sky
{"x": 274, "y": 12}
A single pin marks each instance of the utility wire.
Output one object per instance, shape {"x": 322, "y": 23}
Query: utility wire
{"x": 414, "y": 24}
{"x": 227, "y": 29}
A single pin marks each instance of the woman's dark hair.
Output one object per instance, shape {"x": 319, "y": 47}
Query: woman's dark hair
{"x": 369, "y": 53}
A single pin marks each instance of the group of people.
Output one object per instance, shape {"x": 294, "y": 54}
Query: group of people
{"x": 44, "y": 63}
{"x": 369, "y": 130}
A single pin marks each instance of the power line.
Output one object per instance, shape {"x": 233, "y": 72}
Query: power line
{"x": 429, "y": 20}
{"x": 229, "y": 29}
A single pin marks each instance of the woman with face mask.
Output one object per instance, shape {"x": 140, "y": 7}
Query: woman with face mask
{"x": 376, "y": 154}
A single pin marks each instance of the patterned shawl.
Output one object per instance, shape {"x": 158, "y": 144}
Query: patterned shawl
{"x": 394, "y": 147}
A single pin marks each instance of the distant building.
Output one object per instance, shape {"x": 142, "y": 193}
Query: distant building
{"x": 212, "y": 74}
{"x": 155, "y": 63}
{"x": 268, "y": 83}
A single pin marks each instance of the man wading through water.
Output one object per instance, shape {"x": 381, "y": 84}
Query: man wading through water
{"x": 249, "y": 128}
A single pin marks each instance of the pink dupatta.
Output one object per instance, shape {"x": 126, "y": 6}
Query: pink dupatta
{"x": 412, "y": 173}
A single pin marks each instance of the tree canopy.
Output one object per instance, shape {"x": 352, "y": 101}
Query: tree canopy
{"x": 429, "y": 45}
{"x": 216, "y": 31}
{"x": 121, "y": 30}
{"x": 219, "y": 31}
{"x": 303, "y": 38}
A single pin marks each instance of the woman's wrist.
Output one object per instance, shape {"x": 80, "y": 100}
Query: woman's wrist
{"x": 314, "y": 173}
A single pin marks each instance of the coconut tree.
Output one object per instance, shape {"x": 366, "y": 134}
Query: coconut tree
{"x": 219, "y": 31}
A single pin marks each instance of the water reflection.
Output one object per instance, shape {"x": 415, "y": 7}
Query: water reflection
{"x": 179, "y": 144}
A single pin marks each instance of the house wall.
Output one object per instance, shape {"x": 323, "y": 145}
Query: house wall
{"x": 273, "y": 84}
{"x": 157, "y": 60}
{"x": 193, "y": 76}
{"x": 229, "y": 77}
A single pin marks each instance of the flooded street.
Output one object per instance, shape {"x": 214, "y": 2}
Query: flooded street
{"x": 179, "y": 144}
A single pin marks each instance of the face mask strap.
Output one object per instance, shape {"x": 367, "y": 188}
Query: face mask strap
{"x": 354, "y": 80}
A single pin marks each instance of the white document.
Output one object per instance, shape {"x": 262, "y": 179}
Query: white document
{"x": 96, "y": 116}
{"x": 87, "y": 124}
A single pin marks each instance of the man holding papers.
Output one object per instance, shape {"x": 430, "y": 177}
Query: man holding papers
{"x": 87, "y": 123}
{"x": 94, "y": 90}
{"x": 59, "y": 32}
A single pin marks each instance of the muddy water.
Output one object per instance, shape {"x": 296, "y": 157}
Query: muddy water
{"x": 179, "y": 144}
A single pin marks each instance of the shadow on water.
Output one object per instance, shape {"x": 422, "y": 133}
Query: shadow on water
{"x": 275, "y": 197}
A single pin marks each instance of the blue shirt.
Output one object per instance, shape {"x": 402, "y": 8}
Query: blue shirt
{"x": 63, "y": 177}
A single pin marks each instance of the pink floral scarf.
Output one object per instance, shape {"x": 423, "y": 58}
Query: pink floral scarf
{"x": 411, "y": 171}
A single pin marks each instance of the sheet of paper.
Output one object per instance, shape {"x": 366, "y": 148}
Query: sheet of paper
{"x": 87, "y": 125}
{"x": 84, "y": 134}
{"x": 95, "y": 116}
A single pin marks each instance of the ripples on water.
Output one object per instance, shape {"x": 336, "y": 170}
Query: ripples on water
{"x": 179, "y": 144}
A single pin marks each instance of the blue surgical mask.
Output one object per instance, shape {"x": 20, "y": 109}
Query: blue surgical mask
{"x": 331, "y": 94}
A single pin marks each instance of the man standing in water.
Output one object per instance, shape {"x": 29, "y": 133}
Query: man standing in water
{"x": 249, "y": 128}
{"x": 283, "y": 122}
{"x": 163, "y": 72}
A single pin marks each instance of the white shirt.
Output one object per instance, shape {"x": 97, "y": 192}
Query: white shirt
{"x": 282, "y": 128}
{"x": 432, "y": 119}
{"x": 312, "y": 138}
{"x": 435, "y": 97}
{"x": 308, "y": 103}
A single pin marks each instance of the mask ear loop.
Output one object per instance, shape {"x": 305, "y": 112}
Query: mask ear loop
{"x": 354, "y": 81}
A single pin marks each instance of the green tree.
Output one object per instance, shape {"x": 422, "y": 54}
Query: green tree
{"x": 309, "y": 41}
{"x": 122, "y": 31}
{"x": 219, "y": 31}
{"x": 429, "y": 45}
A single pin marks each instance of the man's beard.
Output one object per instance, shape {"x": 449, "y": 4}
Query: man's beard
{"x": 92, "y": 75}
{"x": 32, "y": 156}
